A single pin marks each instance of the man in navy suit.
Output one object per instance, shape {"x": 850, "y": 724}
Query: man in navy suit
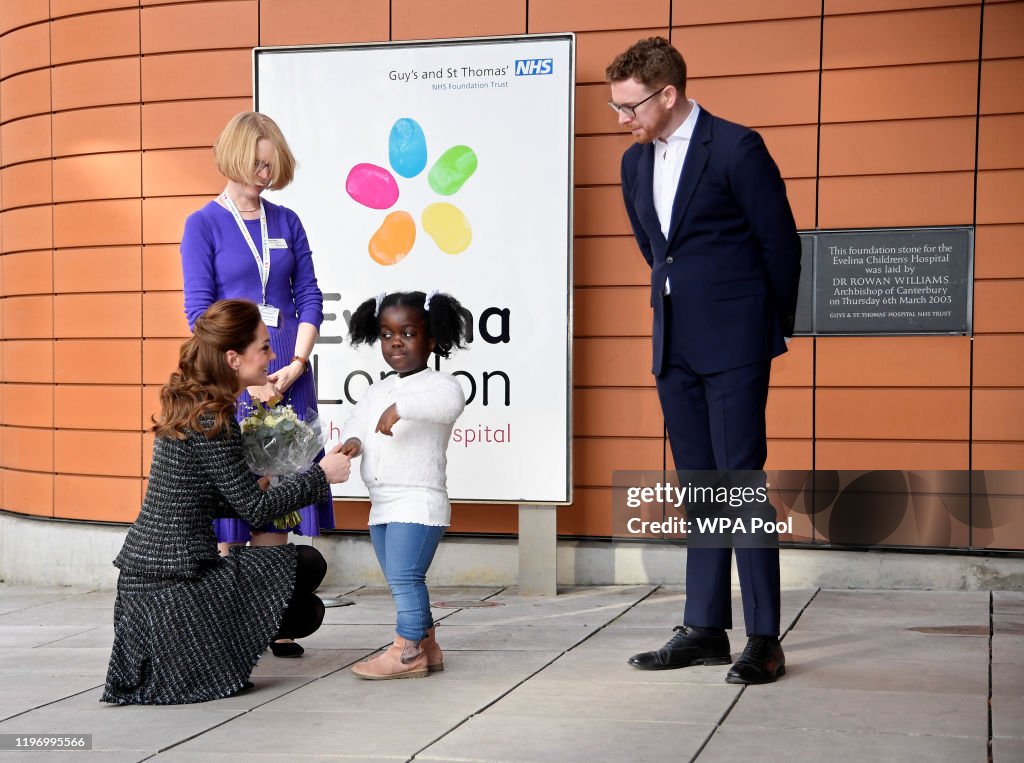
{"x": 709, "y": 212}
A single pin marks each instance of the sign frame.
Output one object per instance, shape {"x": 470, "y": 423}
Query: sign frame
{"x": 526, "y": 495}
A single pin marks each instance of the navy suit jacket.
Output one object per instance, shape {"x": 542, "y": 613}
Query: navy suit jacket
{"x": 732, "y": 252}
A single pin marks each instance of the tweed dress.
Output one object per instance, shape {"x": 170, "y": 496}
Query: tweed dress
{"x": 189, "y": 625}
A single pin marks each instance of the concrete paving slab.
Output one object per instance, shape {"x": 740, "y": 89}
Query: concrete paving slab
{"x": 343, "y": 692}
{"x": 498, "y": 672}
{"x": 787, "y": 704}
{"x": 1008, "y": 650}
{"x": 629, "y": 640}
{"x": 22, "y": 693}
{"x": 609, "y": 665}
{"x": 58, "y": 613}
{"x": 1008, "y": 715}
{"x": 587, "y": 606}
{"x": 518, "y": 616}
{"x": 896, "y": 610}
{"x": 89, "y": 599}
{"x": 520, "y": 637}
{"x": 1007, "y": 750}
{"x": 313, "y": 664}
{"x": 266, "y": 689}
{"x": 1008, "y": 602}
{"x": 55, "y": 661}
{"x": 866, "y": 674}
{"x": 379, "y": 613}
{"x": 814, "y": 647}
{"x": 766, "y": 745}
{"x": 887, "y": 675}
{"x": 14, "y": 597}
{"x": 116, "y": 728}
{"x": 308, "y": 734}
{"x": 120, "y": 756}
{"x": 30, "y": 636}
{"x": 1007, "y": 700}
{"x": 664, "y": 609}
{"x": 191, "y": 756}
{"x": 528, "y": 739}
{"x": 349, "y": 636}
{"x": 374, "y": 606}
{"x": 1008, "y": 623}
{"x": 596, "y": 700}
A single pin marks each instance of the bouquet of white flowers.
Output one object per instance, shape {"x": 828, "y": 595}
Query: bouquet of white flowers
{"x": 278, "y": 443}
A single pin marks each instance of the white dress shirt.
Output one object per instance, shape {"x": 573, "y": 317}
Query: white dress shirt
{"x": 669, "y": 156}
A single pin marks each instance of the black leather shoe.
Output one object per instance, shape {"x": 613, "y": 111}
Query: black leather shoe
{"x": 287, "y": 649}
{"x": 761, "y": 662}
{"x": 690, "y": 646}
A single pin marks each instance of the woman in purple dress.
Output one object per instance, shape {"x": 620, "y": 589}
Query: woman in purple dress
{"x": 239, "y": 246}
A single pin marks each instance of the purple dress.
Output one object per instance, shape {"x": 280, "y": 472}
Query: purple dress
{"x": 218, "y": 264}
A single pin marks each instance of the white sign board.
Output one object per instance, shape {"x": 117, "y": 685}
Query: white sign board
{"x": 444, "y": 165}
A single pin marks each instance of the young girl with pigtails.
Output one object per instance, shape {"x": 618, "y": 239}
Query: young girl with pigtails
{"x": 401, "y": 428}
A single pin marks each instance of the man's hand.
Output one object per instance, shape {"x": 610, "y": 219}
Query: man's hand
{"x": 388, "y": 419}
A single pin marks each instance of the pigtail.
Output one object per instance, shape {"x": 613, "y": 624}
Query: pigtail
{"x": 364, "y": 327}
{"x": 446, "y": 322}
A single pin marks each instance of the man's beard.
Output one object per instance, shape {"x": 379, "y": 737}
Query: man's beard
{"x": 643, "y": 135}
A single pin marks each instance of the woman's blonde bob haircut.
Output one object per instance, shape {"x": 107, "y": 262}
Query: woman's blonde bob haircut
{"x": 235, "y": 150}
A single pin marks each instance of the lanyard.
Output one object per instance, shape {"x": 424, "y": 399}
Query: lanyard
{"x": 262, "y": 264}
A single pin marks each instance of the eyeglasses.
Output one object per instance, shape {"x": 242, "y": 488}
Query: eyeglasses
{"x": 630, "y": 110}
{"x": 260, "y": 166}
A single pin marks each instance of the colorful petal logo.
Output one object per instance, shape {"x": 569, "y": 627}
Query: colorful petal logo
{"x": 375, "y": 187}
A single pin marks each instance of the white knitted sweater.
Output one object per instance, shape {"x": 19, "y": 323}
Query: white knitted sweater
{"x": 428, "y": 403}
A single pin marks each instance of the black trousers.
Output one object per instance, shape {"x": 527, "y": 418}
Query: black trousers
{"x": 305, "y": 611}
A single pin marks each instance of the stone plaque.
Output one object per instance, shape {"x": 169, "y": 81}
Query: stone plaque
{"x": 893, "y": 281}
{"x": 804, "y": 323}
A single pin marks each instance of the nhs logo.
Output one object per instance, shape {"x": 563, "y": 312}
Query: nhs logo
{"x": 529, "y": 66}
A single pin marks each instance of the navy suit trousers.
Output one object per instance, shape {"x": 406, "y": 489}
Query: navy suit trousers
{"x": 717, "y": 421}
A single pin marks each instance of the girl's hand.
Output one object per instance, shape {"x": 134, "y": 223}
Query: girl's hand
{"x": 388, "y": 419}
{"x": 283, "y": 378}
{"x": 352, "y": 447}
{"x": 266, "y": 394}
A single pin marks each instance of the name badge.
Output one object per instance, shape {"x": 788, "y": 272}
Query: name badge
{"x": 269, "y": 314}
{"x": 277, "y": 243}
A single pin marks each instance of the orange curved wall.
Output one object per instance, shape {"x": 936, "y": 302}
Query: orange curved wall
{"x": 879, "y": 113}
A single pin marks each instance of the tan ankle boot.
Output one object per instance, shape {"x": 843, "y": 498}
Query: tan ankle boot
{"x": 435, "y": 657}
{"x": 390, "y": 664}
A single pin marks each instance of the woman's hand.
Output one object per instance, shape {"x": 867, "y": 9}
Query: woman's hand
{"x": 336, "y": 467}
{"x": 388, "y": 419}
{"x": 266, "y": 394}
{"x": 285, "y": 377}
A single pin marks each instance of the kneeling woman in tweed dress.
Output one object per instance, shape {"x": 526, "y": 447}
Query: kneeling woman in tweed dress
{"x": 189, "y": 625}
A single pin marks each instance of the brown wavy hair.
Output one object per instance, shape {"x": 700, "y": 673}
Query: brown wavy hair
{"x": 201, "y": 393}
{"x": 652, "y": 61}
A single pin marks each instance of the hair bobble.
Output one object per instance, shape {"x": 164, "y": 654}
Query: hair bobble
{"x": 377, "y": 301}
{"x": 430, "y": 295}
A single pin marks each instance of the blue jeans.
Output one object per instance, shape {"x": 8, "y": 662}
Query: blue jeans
{"x": 405, "y": 551}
